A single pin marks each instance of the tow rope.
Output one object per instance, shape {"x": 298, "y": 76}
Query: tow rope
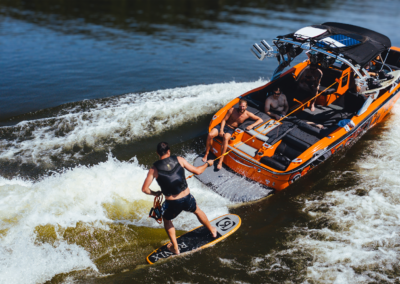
{"x": 155, "y": 211}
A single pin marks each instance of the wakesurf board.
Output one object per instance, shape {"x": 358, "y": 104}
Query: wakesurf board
{"x": 199, "y": 237}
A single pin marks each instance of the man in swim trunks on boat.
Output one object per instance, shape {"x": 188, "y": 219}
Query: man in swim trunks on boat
{"x": 169, "y": 173}
{"x": 276, "y": 106}
{"x": 310, "y": 81}
{"x": 233, "y": 118}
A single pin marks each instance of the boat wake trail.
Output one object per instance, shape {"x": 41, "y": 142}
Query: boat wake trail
{"x": 90, "y": 126}
{"x": 354, "y": 232}
{"x": 360, "y": 243}
{"x": 84, "y": 219}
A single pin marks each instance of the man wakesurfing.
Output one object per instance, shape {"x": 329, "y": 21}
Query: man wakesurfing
{"x": 170, "y": 175}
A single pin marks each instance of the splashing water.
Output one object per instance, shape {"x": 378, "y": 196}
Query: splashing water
{"x": 354, "y": 233}
{"x": 96, "y": 198}
{"x": 114, "y": 121}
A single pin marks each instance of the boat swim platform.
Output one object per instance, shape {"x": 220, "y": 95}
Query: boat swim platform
{"x": 230, "y": 185}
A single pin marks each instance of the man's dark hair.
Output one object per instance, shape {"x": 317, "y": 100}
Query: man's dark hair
{"x": 276, "y": 89}
{"x": 242, "y": 101}
{"x": 162, "y": 148}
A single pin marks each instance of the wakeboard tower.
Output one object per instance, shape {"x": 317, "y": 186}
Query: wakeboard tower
{"x": 199, "y": 238}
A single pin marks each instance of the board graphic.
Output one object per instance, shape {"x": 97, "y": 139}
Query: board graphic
{"x": 199, "y": 237}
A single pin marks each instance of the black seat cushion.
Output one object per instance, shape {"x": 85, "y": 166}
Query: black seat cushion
{"x": 277, "y": 133}
{"x": 287, "y": 150}
{"x": 329, "y": 75}
{"x": 302, "y": 138}
{"x": 295, "y": 143}
{"x": 273, "y": 163}
{"x": 315, "y": 131}
{"x": 326, "y": 92}
{"x": 282, "y": 158}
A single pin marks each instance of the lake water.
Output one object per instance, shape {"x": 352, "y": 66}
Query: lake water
{"x": 88, "y": 88}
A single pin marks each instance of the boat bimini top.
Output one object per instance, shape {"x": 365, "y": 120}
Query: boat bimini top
{"x": 329, "y": 42}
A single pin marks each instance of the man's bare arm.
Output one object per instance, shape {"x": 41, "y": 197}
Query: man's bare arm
{"x": 286, "y": 106}
{"x": 267, "y": 106}
{"x": 196, "y": 170}
{"x": 147, "y": 182}
{"x": 256, "y": 118}
{"x": 223, "y": 122}
{"x": 320, "y": 77}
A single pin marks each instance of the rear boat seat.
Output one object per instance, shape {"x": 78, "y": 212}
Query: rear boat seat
{"x": 293, "y": 144}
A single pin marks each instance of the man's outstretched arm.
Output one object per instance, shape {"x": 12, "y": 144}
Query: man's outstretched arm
{"x": 286, "y": 106}
{"x": 147, "y": 182}
{"x": 256, "y": 118}
{"x": 196, "y": 170}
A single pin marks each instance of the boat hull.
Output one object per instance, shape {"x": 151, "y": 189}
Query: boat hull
{"x": 340, "y": 140}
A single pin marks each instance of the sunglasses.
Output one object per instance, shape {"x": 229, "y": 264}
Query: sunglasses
{"x": 277, "y": 93}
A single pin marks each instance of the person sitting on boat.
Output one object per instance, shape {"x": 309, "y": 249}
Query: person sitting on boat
{"x": 310, "y": 81}
{"x": 276, "y": 106}
{"x": 233, "y": 118}
{"x": 170, "y": 175}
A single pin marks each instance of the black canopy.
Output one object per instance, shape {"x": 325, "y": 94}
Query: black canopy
{"x": 360, "y": 45}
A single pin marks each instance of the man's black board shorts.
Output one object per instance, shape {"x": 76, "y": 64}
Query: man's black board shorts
{"x": 227, "y": 129}
{"x": 172, "y": 208}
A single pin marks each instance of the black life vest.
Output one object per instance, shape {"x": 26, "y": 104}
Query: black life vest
{"x": 171, "y": 176}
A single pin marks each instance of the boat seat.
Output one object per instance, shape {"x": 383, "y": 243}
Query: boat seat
{"x": 283, "y": 156}
{"x": 297, "y": 135}
{"x": 290, "y": 148}
{"x": 277, "y": 133}
{"x": 329, "y": 91}
{"x": 315, "y": 131}
{"x": 247, "y": 149}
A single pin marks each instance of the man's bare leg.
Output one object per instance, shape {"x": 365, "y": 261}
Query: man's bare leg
{"x": 210, "y": 139}
{"x": 312, "y": 108}
{"x": 173, "y": 245}
{"x": 227, "y": 136}
{"x": 204, "y": 220}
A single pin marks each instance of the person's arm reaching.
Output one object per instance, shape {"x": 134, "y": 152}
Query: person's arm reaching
{"x": 196, "y": 170}
{"x": 223, "y": 122}
{"x": 266, "y": 110}
{"x": 286, "y": 106}
{"x": 147, "y": 182}
{"x": 256, "y": 118}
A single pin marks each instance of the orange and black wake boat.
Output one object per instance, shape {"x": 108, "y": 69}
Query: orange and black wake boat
{"x": 350, "y": 101}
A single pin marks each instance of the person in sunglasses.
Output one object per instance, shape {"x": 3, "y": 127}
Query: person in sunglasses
{"x": 276, "y": 106}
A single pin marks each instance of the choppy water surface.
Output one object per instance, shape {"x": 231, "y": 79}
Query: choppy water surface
{"x": 87, "y": 90}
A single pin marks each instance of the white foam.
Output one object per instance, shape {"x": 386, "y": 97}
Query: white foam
{"x": 96, "y": 196}
{"x": 360, "y": 244}
{"x": 116, "y": 121}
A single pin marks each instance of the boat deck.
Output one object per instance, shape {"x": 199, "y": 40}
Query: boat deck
{"x": 230, "y": 185}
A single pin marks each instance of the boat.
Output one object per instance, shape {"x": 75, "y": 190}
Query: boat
{"x": 278, "y": 152}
